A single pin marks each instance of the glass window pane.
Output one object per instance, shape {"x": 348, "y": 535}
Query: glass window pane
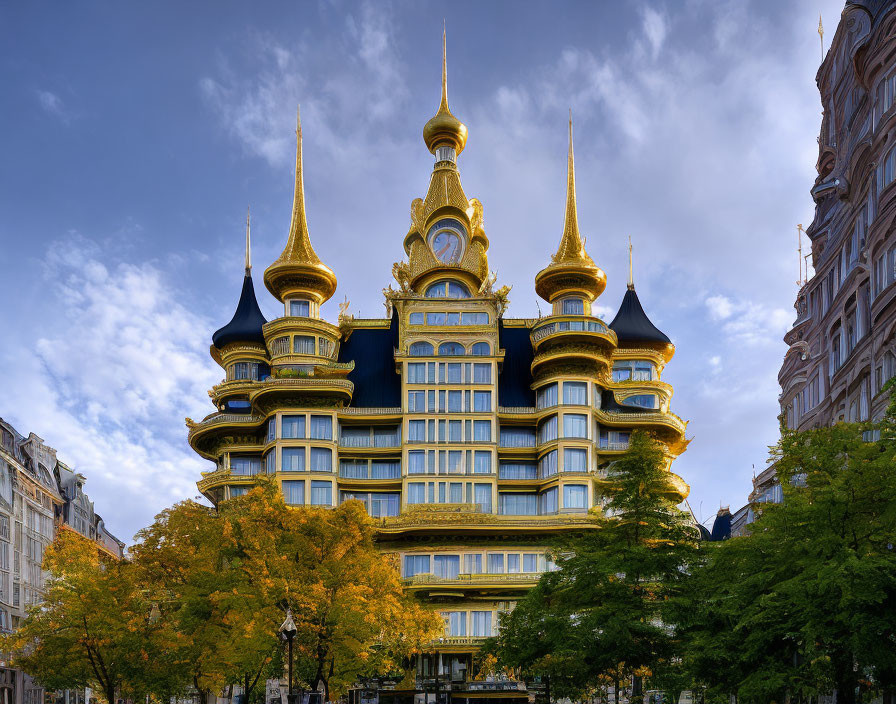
{"x": 482, "y": 494}
{"x": 496, "y": 563}
{"x": 575, "y": 393}
{"x": 293, "y": 492}
{"x": 416, "y": 493}
{"x": 292, "y": 459}
{"x": 416, "y": 319}
{"x": 446, "y": 566}
{"x": 575, "y": 460}
{"x": 321, "y": 459}
{"x": 575, "y": 426}
{"x": 483, "y": 465}
{"x": 482, "y": 401}
{"x": 575, "y": 496}
{"x": 547, "y": 465}
{"x": 416, "y": 564}
{"x": 321, "y": 493}
{"x": 299, "y": 309}
{"x": 321, "y": 427}
{"x": 482, "y": 430}
{"x": 302, "y": 344}
{"x": 481, "y": 623}
{"x": 292, "y": 426}
{"x": 473, "y": 564}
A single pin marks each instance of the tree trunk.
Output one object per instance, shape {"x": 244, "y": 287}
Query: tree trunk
{"x": 110, "y": 694}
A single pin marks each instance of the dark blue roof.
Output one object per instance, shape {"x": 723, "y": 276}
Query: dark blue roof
{"x": 721, "y": 527}
{"x": 631, "y": 323}
{"x": 515, "y": 379}
{"x": 247, "y": 321}
{"x": 373, "y": 351}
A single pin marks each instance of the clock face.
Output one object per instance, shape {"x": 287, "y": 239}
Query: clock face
{"x": 447, "y": 239}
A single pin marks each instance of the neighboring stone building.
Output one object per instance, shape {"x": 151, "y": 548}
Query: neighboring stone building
{"x": 474, "y": 439}
{"x": 843, "y": 343}
{"x": 38, "y": 496}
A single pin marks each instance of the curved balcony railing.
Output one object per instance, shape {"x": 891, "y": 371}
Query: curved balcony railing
{"x": 570, "y": 324}
{"x": 642, "y": 417}
{"x": 214, "y": 419}
{"x": 463, "y": 579}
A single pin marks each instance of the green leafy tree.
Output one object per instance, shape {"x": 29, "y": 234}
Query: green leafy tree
{"x": 806, "y": 603}
{"x": 602, "y": 617}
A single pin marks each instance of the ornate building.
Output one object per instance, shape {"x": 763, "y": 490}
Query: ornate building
{"x": 474, "y": 439}
{"x": 843, "y": 343}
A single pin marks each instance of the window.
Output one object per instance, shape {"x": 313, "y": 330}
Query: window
{"x": 238, "y": 491}
{"x": 575, "y": 393}
{"x": 384, "y": 504}
{"x": 437, "y": 318}
{"x": 244, "y": 370}
{"x": 446, "y": 566}
{"x": 614, "y": 439}
{"x": 325, "y": 347}
{"x": 451, "y": 349}
{"x": 472, "y": 564}
{"x": 321, "y": 460}
{"x": 481, "y": 623}
{"x": 245, "y": 466}
{"x": 292, "y": 459}
{"x": 321, "y": 493}
{"x": 483, "y": 463}
{"x": 293, "y": 492}
{"x": 482, "y": 496}
{"x": 575, "y": 425}
{"x": 886, "y": 171}
{"x": 385, "y": 469}
{"x": 417, "y": 372}
{"x": 447, "y": 289}
{"x": 303, "y": 344}
{"x": 416, "y": 493}
{"x": 454, "y": 372}
{"x": 353, "y": 469}
{"x": 272, "y": 429}
{"x": 416, "y": 431}
{"x": 517, "y": 504}
{"x": 475, "y": 319}
{"x": 547, "y": 431}
{"x": 417, "y": 462}
{"x": 482, "y": 373}
{"x": 416, "y": 319}
{"x": 416, "y": 401}
{"x": 482, "y": 401}
{"x": 421, "y": 349}
{"x": 633, "y": 370}
{"x": 299, "y": 309}
{"x": 270, "y": 463}
{"x": 641, "y": 401}
{"x": 455, "y": 401}
{"x": 517, "y": 470}
{"x": 416, "y": 564}
{"x": 321, "y": 428}
{"x": 572, "y": 306}
{"x": 292, "y": 426}
{"x": 547, "y": 465}
{"x": 575, "y": 496}
{"x": 482, "y": 430}
{"x": 575, "y": 460}
{"x": 546, "y": 396}
{"x": 496, "y": 563}
{"x": 455, "y": 621}
{"x": 517, "y": 437}
{"x": 280, "y": 346}
{"x": 547, "y": 501}
{"x": 481, "y": 349}
{"x": 530, "y": 562}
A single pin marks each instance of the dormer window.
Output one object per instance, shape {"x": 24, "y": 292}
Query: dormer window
{"x": 447, "y": 289}
{"x": 299, "y": 308}
{"x": 445, "y": 154}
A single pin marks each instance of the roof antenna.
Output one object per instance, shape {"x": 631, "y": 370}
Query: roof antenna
{"x": 631, "y": 276}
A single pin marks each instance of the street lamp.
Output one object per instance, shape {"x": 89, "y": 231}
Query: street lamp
{"x": 287, "y": 632}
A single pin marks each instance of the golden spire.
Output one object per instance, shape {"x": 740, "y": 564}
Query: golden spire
{"x": 248, "y": 248}
{"x": 298, "y": 261}
{"x": 821, "y": 35}
{"x": 631, "y": 275}
{"x": 444, "y": 129}
{"x": 571, "y": 245}
{"x": 571, "y": 269}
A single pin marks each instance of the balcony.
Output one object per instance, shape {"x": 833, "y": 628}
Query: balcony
{"x": 372, "y": 438}
{"x": 577, "y": 327}
{"x": 525, "y": 579}
{"x": 243, "y": 420}
{"x": 430, "y": 519}
{"x": 374, "y": 473}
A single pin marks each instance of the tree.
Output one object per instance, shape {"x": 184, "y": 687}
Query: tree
{"x": 225, "y": 579}
{"x": 93, "y": 628}
{"x": 602, "y": 617}
{"x": 806, "y": 603}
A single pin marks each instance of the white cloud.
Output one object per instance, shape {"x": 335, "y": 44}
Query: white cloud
{"x": 720, "y": 307}
{"x": 654, "y": 27}
{"x": 120, "y": 364}
{"x": 51, "y": 103}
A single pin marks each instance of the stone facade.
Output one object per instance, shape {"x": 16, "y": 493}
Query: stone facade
{"x": 39, "y": 496}
{"x": 842, "y": 346}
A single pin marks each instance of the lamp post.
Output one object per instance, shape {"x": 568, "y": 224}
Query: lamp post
{"x": 287, "y": 632}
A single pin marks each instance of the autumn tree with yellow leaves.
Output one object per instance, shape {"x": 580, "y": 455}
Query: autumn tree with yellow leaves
{"x": 199, "y": 603}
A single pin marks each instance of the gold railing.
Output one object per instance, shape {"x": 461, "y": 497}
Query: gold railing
{"x": 224, "y": 419}
{"x": 643, "y": 417}
{"x": 378, "y": 411}
{"x": 472, "y": 579}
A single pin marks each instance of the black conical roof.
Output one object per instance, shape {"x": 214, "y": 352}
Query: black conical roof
{"x": 247, "y": 321}
{"x": 631, "y": 323}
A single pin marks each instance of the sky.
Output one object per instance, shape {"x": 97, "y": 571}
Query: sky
{"x": 135, "y": 135}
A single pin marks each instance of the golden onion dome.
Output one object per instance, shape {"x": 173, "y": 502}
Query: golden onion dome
{"x": 444, "y": 129}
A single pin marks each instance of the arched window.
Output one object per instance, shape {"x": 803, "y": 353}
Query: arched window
{"x": 451, "y": 349}
{"x": 447, "y": 289}
{"x": 421, "y": 349}
{"x": 481, "y": 349}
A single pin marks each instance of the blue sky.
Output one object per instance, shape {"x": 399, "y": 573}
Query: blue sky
{"x": 135, "y": 135}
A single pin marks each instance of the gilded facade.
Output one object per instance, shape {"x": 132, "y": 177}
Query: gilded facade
{"x": 473, "y": 439}
{"x": 842, "y": 347}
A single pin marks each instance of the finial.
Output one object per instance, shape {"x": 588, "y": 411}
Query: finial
{"x": 444, "y": 104}
{"x": 631, "y": 275}
{"x": 571, "y": 242}
{"x": 248, "y": 247}
{"x": 821, "y": 35}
